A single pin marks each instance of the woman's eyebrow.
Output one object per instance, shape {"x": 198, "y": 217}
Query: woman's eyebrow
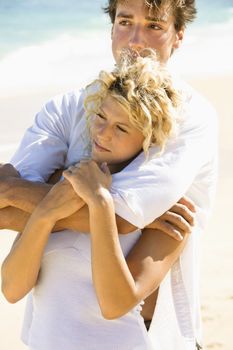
{"x": 101, "y": 111}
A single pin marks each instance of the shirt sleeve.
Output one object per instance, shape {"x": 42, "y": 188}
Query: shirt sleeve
{"x": 147, "y": 188}
{"x": 44, "y": 146}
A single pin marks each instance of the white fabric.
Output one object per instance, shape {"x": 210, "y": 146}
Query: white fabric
{"x": 63, "y": 311}
{"x": 142, "y": 191}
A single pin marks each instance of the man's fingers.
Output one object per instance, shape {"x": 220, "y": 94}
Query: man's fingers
{"x": 177, "y": 221}
{"x": 169, "y": 230}
{"x": 8, "y": 170}
{"x": 188, "y": 203}
{"x": 184, "y": 212}
{"x": 180, "y": 224}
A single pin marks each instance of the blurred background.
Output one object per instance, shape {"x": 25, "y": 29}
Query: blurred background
{"x": 53, "y": 46}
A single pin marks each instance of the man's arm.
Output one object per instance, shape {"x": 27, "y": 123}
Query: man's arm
{"x": 23, "y": 196}
{"x": 20, "y": 197}
{"x": 148, "y": 187}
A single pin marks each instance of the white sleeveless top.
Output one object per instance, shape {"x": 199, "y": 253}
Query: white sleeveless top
{"x": 62, "y": 311}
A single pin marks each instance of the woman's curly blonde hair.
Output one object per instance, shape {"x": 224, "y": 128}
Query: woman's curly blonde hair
{"x": 144, "y": 88}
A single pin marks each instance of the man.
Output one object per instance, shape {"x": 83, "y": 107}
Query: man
{"x": 186, "y": 166}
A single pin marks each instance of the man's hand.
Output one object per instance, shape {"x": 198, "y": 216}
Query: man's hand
{"x": 7, "y": 170}
{"x": 178, "y": 220}
{"x": 61, "y": 201}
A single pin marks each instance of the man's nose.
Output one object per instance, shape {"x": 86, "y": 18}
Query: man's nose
{"x": 137, "y": 40}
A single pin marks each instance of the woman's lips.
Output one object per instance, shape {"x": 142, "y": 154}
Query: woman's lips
{"x": 100, "y": 147}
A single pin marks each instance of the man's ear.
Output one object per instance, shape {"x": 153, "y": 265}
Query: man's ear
{"x": 179, "y": 38}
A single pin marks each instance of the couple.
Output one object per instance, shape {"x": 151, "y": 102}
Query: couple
{"x": 58, "y": 139}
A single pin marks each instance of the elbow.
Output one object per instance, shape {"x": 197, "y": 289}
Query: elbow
{"x": 112, "y": 315}
{"x": 9, "y": 295}
{"x": 115, "y": 311}
{"x": 124, "y": 227}
{"x": 8, "y": 290}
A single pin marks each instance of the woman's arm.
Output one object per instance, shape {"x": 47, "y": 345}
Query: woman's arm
{"x": 120, "y": 284}
{"x": 21, "y": 267}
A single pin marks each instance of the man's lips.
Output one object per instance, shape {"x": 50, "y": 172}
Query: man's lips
{"x": 100, "y": 147}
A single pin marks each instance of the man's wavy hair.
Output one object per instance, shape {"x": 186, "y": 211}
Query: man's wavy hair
{"x": 143, "y": 87}
{"x": 184, "y": 11}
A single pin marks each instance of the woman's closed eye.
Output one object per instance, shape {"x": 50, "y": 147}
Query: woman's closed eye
{"x": 100, "y": 116}
{"x": 122, "y": 129}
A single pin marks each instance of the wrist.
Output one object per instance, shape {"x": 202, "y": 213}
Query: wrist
{"x": 18, "y": 192}
{"x": 41, "y": 219}
{"x": 101, "y": 198}
{"x": 43, "y": 213}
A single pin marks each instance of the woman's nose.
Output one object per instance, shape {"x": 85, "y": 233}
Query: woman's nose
{"x": 104, "y": 132}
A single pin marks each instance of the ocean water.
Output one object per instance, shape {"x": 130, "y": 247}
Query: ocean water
{"x": 45, "y": 42}
{"x": 26, "y": 22}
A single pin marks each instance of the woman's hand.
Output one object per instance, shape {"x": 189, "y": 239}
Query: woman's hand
{"x": 89, "y": 180}
{"x": 60, "y": 202}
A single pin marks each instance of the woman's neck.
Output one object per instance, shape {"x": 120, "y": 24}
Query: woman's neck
{"x": 116, "y": 168}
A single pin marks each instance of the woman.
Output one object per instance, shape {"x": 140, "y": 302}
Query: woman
{"x": 87, "y": 290}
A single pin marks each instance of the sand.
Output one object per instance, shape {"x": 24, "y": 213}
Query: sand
{"x": 217, "y": 260}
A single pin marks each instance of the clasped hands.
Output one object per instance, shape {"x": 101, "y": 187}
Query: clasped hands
{"x": 82, "y": 184}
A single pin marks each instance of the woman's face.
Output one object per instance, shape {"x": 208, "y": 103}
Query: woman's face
{"x": 114, "y": 139}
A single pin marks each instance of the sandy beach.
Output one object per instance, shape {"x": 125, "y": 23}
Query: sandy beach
{"x": 217, "y": 260}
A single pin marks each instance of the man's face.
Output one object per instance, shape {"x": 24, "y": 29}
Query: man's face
{"x": 136, "y": 28}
